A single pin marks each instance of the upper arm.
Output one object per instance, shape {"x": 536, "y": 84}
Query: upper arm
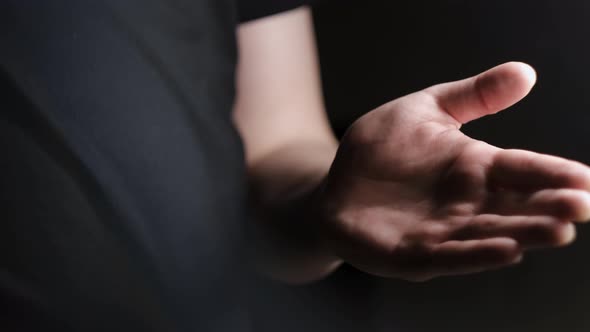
{"x": 279, "y": 98}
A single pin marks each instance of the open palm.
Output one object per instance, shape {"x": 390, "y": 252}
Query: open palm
{"x": 410, "y": 196}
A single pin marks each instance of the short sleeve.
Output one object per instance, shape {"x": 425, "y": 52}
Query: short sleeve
{"x": 252, "y": 9}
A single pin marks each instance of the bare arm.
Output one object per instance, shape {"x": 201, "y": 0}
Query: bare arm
{"x": 405, "y": 194}
{"x": 288, "y": 141}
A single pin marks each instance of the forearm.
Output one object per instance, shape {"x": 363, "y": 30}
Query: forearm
{"x": 288, "y": 142}
{"x": 287, "y": 244}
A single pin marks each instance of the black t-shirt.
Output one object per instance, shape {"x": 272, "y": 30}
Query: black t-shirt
{"x": 122, "y": 189}
{"x": 253, "y": 9}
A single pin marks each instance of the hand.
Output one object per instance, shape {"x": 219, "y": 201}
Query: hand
{"x": 410, "y": 196}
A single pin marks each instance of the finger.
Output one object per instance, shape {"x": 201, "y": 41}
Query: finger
{"x": 466, "y": 257}
{"x": 530, "y": 171}
{"x": 528, "y": 231}
{"x": 564, "y": 204}
{"x": 486, "y": 93}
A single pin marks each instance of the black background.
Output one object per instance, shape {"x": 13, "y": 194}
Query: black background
{"x": 375, "y": 51}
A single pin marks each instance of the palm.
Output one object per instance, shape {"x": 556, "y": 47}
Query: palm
{"x": 414, "y": 197}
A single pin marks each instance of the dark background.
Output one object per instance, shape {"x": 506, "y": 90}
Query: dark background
{"x": 375, "y": 51}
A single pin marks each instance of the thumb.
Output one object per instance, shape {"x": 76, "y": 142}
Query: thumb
{"x": 486, "y": 93}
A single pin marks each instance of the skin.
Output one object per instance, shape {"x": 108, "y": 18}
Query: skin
{"x": 405, "y": 193}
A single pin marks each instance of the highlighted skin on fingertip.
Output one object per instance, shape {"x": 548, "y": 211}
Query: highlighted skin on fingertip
{"x": 584, "y": 215}
{"x": 567, "y": 236}
{"x": 528, "y": 72}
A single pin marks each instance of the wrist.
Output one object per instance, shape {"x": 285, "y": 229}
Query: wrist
{"x": 316, "y": 258}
